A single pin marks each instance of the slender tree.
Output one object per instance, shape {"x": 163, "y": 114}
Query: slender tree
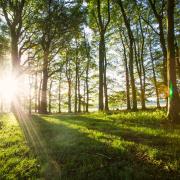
{"x": 131, "y": 54}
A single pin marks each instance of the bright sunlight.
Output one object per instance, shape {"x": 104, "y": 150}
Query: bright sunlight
{"x": 8, "y": 88}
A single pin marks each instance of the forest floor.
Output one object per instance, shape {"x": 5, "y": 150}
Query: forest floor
{"x": 126, "y": 145}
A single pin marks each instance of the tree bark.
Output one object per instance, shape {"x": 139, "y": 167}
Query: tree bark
{"x": 36, "y": 92}
{"x": 79, "y": 94}
{"x": 59, "y": 96}
{"x": 106, "y": 104}
{"x": 143, "y": 95}
{"x": 87, "y": 86}
{"x": 173, "y": 99}
{"x": 178, "y": 60}
{"x": 39, "y": 96}
{"x": 101, "y": 73}
{"x": 128, "y": 104}
{"x": 50, "y": 99}
{"x": 43, "y": 107}
{"x": 69, "y": 96}
{"x": 154, "y": 76}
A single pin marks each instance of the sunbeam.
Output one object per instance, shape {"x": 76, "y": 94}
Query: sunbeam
{"x": 8, "y": 88}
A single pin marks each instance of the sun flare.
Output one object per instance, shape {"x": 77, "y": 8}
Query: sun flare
{"x": 8, "y": 88}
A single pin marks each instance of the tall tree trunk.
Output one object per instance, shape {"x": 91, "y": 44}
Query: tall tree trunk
{"x": 163, "y": 47}
{"x": 39, "y": 96}
{"x": 84, "y": 97}
{"x": 79, "y": 95}
{"x": 154, "y": 76}
{"x": 69, "y": 80}
{"x": 178, "y": 60}
{"x": 30, "y": 95}
{"x": 36, "y": 92}
{"x": 101, "y": 73}
{"x": 15, "y": 69}
{"x": 131, "y": 69}
{"x": 131, "y": 53}
{"x": 106, "y": 106}
{"x": 59, "y": 97}
{"x": 44, "y": 84}
{"x": 13, "y": 13}
{"x": 128, "y": 104}
{"x": 139, "y": 70}
{"x": 159, "y": 18}
{"x": 76, "y": 81}
{"x": 50, "y": 99}
{"x": 75, "y": 93}
{"x": 102, "y": 30}
{"x": 143, "y": 95}
{"x": 173, "y": 99}
{"x": 69, "y": 96}
{"x": 87, "y": 86}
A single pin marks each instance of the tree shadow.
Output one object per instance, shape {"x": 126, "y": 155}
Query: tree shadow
{"x": 144, "y": 134}
{"x": 76, "y": 155}
{"x": 167, "y": 148}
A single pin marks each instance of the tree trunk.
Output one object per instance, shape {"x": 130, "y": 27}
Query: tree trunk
{"x": 154, "y": 77}
{"x": 131, "y": 61}
{"x": 178, "y": 60}
{"x": 76, "y": 82}
{"x": 173, "y": 99}
{"x": 79, "y": 95}
{"x": 50, "y": 87}
{"x": 30, "y": 95}
{"x": 102, "y": 30}
{"x": 36, "y": 93}
{"x": 131, "y": 69}
{"x": 164, "y": 50}
{"x": 143, "y": 98}
{"x": 128, "y": 104}
{"x": 106, "y": 106}
{"x": 101, "y": 73}
{"x": 84, "y": 97}
{"x": 39, "y": 96}
{"x": 87, "y": 86}
{"x": 15, "y": 70}
{"x": 69, "y": 96}
{"x": 59, "y": 98}
{"x": 159, "y": 18}
{"x": 43, "y": 108}
{"x": 75, "y": 93}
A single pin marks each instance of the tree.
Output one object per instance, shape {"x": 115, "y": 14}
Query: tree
{"x": 101, "y": 17}
{"x": 160, "y": 16}
{"x": 173, "y": 99}
{"x": 14, "y": 13}
{"x": 131, "y": 54}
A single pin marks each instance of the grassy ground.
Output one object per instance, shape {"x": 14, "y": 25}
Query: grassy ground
{"x": 126, "y": 145}
{"x": 16, "y": 159}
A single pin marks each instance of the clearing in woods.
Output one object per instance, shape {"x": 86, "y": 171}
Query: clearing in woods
{"x": 90, "y": 146}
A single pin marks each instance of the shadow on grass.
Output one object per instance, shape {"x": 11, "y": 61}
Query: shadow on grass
{"x": 155, "y": 137}
{"x": 77, "y": 153}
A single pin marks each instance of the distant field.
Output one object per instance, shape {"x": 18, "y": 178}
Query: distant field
{"x": 126, "y": 145}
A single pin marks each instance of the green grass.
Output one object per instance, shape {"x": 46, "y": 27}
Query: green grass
{"x": 127, "y": 145}
{"x": 16, "y": 159}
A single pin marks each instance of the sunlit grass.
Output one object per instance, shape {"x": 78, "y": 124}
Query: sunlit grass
{"x": 16, "y": 159}
{"x": 124, "y": 145}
